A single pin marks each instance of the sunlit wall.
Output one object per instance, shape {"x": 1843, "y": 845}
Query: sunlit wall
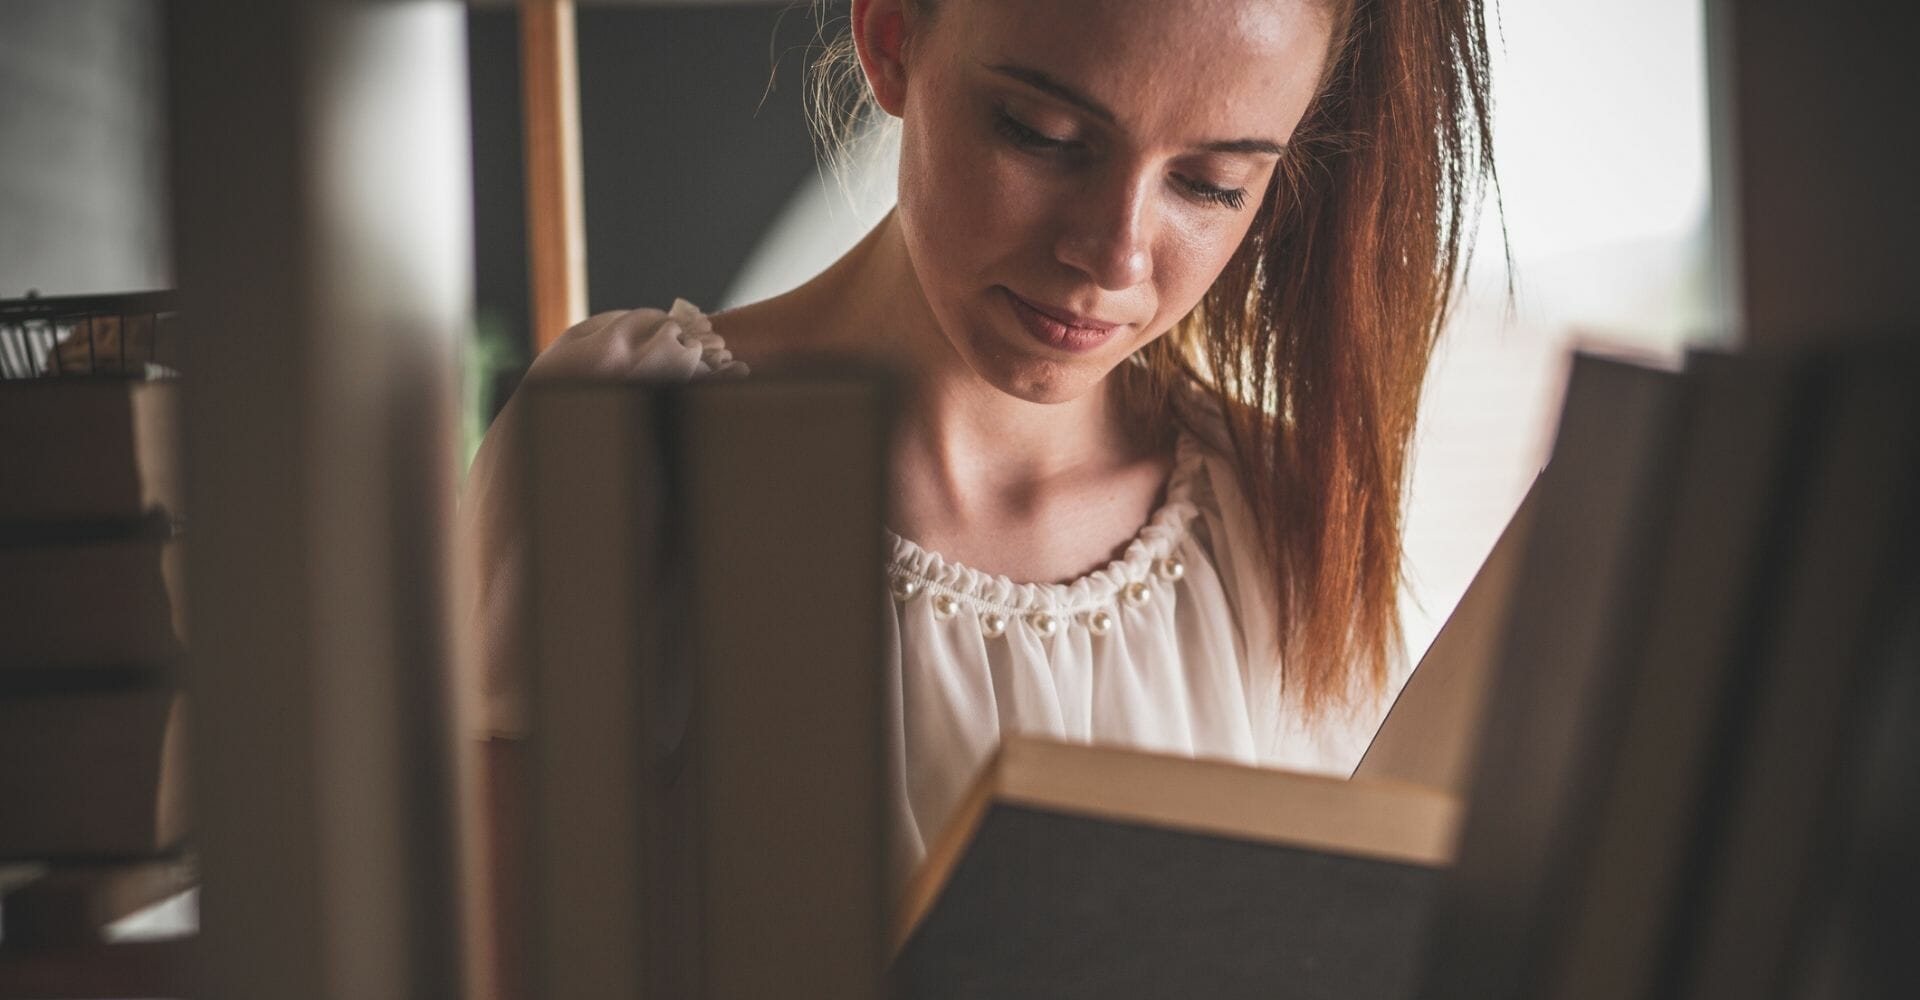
{"x": 1601, "y": 141}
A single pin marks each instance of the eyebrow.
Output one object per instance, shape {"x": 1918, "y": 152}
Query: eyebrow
{"x": 1042, "y": 82}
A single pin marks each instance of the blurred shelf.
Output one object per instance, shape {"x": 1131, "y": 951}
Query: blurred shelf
{"x": 149, "y": 970}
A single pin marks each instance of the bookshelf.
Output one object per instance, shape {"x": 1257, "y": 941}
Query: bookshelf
{"x": 321, "y": 244}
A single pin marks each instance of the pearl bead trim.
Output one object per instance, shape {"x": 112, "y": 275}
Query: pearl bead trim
{"x": 994, "y": 619}
{"x": 993, "y": 624}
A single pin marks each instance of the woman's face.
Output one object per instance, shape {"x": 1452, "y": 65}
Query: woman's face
{"x": 1074, "y": 174}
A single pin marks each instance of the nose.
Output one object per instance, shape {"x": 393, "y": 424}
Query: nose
{"x": 1108, "y": 234}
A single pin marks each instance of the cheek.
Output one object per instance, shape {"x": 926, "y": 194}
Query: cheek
{"x": 1192, "y": 251}
{"x": 974, "y": 203}
{"x": 973, "y": 206}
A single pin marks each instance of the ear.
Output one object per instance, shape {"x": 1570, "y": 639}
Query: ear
{"x": 880, "y": 36}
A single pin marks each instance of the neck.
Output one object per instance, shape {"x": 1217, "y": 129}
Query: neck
{"x": 963, "y": 437}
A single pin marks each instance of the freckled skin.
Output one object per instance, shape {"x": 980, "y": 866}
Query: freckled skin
{"x": 1109, "y": 227}
{"x": 1115, "y": 232}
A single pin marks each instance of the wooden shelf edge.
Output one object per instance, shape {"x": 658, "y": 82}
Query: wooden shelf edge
{"x": 128, "y": 969}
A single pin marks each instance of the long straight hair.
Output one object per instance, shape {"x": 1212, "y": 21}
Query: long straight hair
{"x": 1315, "y": 339}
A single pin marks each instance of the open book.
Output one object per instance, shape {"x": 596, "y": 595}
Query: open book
{"x": 1650, "y": 682}
{"x": 1076, "y": 870}
{"x": 673, "y": 653}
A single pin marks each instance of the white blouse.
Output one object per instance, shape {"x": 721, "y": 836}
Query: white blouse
{"x": 1170, "y": 647}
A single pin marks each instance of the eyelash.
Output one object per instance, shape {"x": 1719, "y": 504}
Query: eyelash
{"x": 1235, "y": 198}
{"x": 1026, "y": 138}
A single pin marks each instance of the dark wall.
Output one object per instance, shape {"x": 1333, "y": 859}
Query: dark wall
{"x": 684, "y": 162}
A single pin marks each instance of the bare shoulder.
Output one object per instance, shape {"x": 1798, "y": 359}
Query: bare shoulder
{"x": 784, "y": 328}
{"x": 753, "y": 332}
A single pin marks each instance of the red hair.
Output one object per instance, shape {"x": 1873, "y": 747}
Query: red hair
{"x": 1315, "y": 339}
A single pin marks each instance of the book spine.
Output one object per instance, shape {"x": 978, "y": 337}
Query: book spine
{"x": 1738, "y": 456}
{"x": 99, "y": 452}
{"x": 92, "y": 776}
{"x": 73, "y": 904}
{"x": 1836, "y": 594}
{"x": 782, "y": 485}
{"x": 589, "y": 458}
{"x": 110, "y": 604}
{"x": 1580, "y": 603}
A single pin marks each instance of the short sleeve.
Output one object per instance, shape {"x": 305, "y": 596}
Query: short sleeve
{"x": 678, "y": 343}
{"x": 674, "y": 344}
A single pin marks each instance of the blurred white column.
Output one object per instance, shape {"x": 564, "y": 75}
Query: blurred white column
{"x": 321, "y": 181}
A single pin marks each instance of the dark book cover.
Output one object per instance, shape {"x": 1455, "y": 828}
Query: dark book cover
{"x": 1050, "y": 904}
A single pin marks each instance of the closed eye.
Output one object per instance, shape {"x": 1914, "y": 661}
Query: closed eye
{"x": 1024, "y": 137}
{"x": 1234, "y": 198}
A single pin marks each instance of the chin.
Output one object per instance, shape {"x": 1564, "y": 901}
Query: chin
{"x": 1034, "y": 378}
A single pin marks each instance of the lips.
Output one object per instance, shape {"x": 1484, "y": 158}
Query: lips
{"x": 1058, "y": 328}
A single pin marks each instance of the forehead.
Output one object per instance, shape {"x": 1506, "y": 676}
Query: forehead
{"x": 1231, "y": 67}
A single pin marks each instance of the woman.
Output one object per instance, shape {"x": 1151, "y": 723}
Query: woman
{"x": 1164, "y": 277}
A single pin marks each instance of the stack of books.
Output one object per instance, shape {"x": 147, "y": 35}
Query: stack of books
{"x": 1695, "y": 775}
{"x": 92, "y": 721}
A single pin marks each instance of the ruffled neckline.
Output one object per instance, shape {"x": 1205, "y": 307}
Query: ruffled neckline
{"x": 1149, "y": 554}
{"x": 694, "y": 330}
